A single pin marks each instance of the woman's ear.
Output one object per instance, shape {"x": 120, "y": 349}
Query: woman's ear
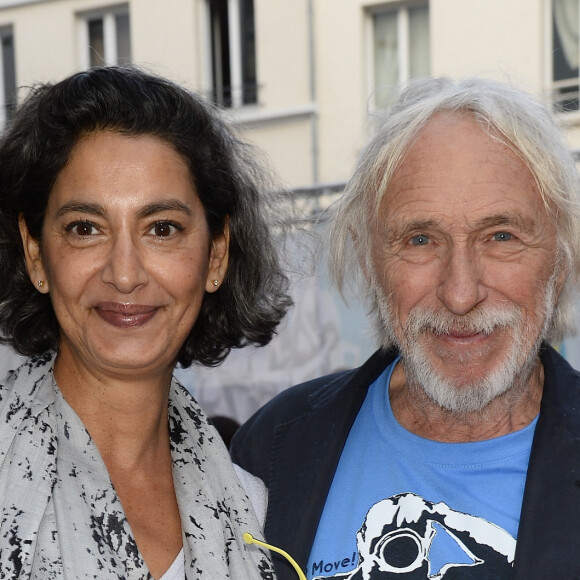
{"x": 218, "y": 259}
{"x": 33, "y": 258}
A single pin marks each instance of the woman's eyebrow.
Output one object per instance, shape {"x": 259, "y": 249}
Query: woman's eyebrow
{"x": 165, "y": 205}
{"x": 81, "y": 207}
{"x": 97, "y": 209}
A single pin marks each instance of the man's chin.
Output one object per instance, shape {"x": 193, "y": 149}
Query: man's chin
{"x": 461, "y": 397}
{"x": 469, "y": 388}
{"x": 467, "y": 399}
{"x": 466, "y": 373}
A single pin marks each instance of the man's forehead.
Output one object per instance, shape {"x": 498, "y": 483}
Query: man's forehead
{"x": 458, "y": 141}
{"x": 452, "y": 163}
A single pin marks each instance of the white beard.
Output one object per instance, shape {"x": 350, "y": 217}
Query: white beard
{"x": 468, "y": 397}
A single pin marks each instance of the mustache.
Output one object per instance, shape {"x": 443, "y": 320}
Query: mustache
{"x": 482, "y": 320}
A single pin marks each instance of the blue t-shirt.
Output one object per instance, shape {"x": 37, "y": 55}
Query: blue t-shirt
{"x": 402, "y": 506}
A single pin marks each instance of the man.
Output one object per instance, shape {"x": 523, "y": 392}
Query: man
{"x": 454, "y": 451}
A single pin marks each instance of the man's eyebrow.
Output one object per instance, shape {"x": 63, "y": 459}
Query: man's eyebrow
{"x": 165, "y": 205}
{"x": 398, "y": 231}
{"x": 523, "y": 223}
{"x": 81, "y": 207}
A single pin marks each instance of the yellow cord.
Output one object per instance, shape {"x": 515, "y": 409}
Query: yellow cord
{"x": 249, "y": 539}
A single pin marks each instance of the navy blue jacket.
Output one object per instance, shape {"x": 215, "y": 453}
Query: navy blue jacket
{"x": 294, "y": 444}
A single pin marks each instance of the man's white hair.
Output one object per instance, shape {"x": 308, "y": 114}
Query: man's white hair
{"x": 517, "y": 119}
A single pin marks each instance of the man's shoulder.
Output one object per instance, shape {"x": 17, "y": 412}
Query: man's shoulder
{"x": 317, "y": 393}
{"x": 289, "y": 406}
{"x": 305, "y": 411}
{"x": 561, "y": 398}
{"x": 557, "y": 370}
{"x": 302, "y": 398}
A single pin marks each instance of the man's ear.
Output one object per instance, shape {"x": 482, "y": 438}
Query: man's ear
{"x": 218, "y": 259}
{"x": 33, "y": 258}
{"x": 560, "y": 280}
{"x": 364, "y": 262}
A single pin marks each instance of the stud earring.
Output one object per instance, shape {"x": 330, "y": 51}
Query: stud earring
{"x": 216, "y": 282}
{"x": 40, "y": 283}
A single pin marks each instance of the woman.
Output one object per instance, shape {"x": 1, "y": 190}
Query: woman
{"x": 133, "y": 239}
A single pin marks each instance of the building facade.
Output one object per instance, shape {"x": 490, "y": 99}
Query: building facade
{"x": 303, "y": 79}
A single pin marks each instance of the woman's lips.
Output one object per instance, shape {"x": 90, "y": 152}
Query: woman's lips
{"x": 125, "y": 315}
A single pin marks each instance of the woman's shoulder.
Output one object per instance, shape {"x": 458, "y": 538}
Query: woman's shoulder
{"x": 10, "y": 360}
{"x": 27, "y": 387}
{"x": 256, "y": 490}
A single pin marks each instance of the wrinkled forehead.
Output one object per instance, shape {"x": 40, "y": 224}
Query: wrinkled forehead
{"x": 454, "y": 156}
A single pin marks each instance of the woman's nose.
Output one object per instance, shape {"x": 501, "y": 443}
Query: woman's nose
{"x": 123, "y": 268}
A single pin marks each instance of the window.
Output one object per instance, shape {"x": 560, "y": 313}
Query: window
{"x": 7, "y": 75}
{"x": 233, "y": 52}
{"x": 105, "y": 37}
{"x": 565, "y": 54}
{"x": 400, "y": 48}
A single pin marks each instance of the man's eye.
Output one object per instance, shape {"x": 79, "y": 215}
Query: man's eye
{"x": 164, "y": 229}
{"x": 502, "y": 237}
{"x": 81, "y": 228}
{"x": 419, "y": 240}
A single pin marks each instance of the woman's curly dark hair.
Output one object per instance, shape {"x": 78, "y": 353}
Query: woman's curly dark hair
{"x": 230, "y": 183}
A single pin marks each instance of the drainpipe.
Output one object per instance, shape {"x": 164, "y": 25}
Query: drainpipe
{"x": 312, "y": 72}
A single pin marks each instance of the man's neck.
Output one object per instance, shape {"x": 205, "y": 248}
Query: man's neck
{"x": 509, "y": 412}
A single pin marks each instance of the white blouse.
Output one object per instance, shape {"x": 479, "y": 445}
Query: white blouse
{"x": 177, "y": 570}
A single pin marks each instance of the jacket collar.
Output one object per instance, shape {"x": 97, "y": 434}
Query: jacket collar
{"x": 548, "y": 540}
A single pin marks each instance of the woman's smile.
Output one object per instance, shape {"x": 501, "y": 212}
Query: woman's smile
{"x": 122, "y": 315}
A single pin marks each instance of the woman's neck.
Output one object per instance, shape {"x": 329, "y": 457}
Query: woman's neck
{"x": 126, "y": 414}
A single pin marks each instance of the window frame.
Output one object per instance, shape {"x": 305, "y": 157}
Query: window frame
{"x": 108, "y": 15}
{"x": 6, "y": 107}
{"x": 402, "y": 10}
{"x": 234, "y": 95}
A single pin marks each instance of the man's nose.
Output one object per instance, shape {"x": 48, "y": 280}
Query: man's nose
{"x": 460, "y": 286}
{"x": 124, "y": 267}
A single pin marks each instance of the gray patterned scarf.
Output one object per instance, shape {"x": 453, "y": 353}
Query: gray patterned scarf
{"x": 60, "y": 516}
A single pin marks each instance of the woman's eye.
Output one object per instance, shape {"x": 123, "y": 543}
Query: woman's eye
{"x": 164, "y": 229}
{"x": 81, "y": 228}
{"x": 502, "y": 237}
{"x": 419, "y": 240}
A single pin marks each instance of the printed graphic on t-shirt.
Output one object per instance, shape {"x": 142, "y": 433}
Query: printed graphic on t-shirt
{"x": 406, "y": 536}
